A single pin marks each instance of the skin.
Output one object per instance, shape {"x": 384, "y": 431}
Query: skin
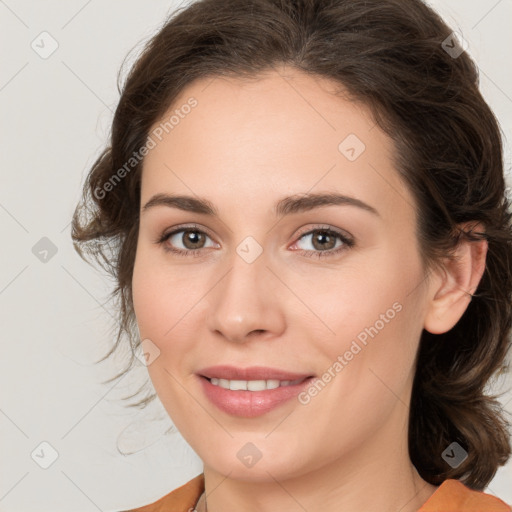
{"x": 245, "y": 146}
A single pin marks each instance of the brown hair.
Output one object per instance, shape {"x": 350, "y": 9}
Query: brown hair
{"x": 390, "y": 55}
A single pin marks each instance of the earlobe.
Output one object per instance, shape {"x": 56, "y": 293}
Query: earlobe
{"x": 455, "y": 283}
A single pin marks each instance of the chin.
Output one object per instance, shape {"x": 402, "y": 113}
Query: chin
{"x": 246, "y": 462}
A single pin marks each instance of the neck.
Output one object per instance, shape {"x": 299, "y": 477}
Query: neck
{"x": 378, "y": 476}
{"x": 407, "y": 495}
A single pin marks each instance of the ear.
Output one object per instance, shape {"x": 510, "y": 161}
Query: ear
{"x": 455, "y": 282}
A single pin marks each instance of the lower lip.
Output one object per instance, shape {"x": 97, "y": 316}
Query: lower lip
{"x": 249, "y": 404}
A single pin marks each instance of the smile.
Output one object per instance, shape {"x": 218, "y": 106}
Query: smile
{"x": 253, "y": 385}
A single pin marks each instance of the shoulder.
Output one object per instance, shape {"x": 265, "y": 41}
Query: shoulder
{"x": 182, "y": 499}
{"x": 450, "y": 496}
{"x": 454, "y": 496}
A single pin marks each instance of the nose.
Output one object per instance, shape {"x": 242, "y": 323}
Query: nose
{"x": 246, "y": 302}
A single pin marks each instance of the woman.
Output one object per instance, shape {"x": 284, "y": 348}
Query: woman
{"x": 307, "y": 208}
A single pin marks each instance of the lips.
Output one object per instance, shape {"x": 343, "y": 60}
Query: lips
{"x": 250, "y": 373}
{"x": 250, "y": 392}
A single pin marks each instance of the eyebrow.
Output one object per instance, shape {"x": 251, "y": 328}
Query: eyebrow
{"x": 286, "y": 206}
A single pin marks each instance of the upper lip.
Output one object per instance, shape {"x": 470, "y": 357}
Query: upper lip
{"x": 250, "y": 373}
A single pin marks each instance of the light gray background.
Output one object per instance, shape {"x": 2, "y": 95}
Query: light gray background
{"x": 55, "y": 116}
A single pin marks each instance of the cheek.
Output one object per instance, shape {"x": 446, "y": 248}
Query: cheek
{"x": 161, "y": 301}
{"x": 160, "y": 296}
{"x": 149, "y": 303}
{"x": 374, "y": 315}
{"x": 167, "y": 304}
{"x": 371, "y": 298}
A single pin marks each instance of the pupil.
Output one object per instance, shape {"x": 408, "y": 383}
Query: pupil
{"x": 323, "y": 236}
{"x": 190, "y": 235}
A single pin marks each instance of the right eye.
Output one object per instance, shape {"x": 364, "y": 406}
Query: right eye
{"x": 191, "y": 239}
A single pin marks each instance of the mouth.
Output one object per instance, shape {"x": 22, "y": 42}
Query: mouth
{"x": 250, "y": 392}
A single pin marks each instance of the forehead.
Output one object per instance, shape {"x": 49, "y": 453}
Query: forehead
{"x": 283, "y": 132}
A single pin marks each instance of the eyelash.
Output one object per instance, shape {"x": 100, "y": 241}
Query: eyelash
{"x": 347, "y": 242}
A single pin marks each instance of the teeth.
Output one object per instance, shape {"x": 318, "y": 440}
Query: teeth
{"x": 256, "y": 385}
{"x": 252, "y": 385}
{"x": 235, "y": 385}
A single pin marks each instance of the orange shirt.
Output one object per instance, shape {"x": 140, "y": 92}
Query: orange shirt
{"x": 450, "y": 496}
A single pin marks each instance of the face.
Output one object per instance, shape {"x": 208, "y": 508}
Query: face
{"x": 266, "y": 284}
